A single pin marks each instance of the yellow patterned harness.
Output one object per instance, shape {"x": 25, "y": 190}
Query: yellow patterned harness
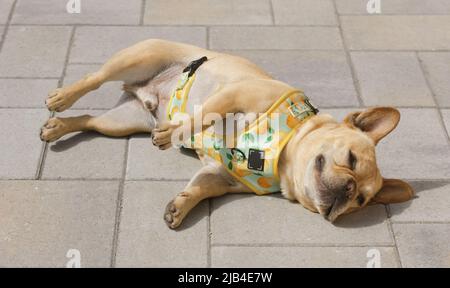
{"x": 253, "y": 157}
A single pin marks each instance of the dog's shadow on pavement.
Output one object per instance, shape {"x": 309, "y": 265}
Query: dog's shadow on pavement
{"x": 365, "y": 218}
{"x": 195, "y": 216}
{"x": 420, "y": 188}
{"x": 67, "y": 143}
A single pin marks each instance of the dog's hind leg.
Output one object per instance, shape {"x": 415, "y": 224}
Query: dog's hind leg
{"x": 137, "y": 63}
{"x": 128, "y": 117}
{"x": 210, "y": 181}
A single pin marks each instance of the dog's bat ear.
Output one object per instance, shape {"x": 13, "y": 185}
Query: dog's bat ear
{"x": 375, "y": 122}
{"x": 393, "y": 191}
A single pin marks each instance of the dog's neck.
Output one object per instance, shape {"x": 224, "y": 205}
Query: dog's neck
{"x": 287, "y": 168}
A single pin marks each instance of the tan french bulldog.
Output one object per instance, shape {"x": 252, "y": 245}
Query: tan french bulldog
{"x": 328, "y": 167}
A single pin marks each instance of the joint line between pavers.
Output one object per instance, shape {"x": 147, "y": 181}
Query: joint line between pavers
{"x": 302, "y": 245}
{"x": 400, "y": 50}
{"x": 391, "y": 232}
{"x": 66, "y": 60}
{"x": 158, "y": 180}
{"x": 142, "y": 15}
{"x": 349, "y": 58}
{"x": 118, "y": 215}
{"x": 421, "y": 222}
{"x": 441, "y": 180}
{"x": 208, "y": 235}
{"x": 207, "y": 36}
{"x": 390, "y": 14}
{"x": 30, "y": 78}
{"x": 113, "y": 179}
{"x": 86, "y": 63}
{"x": 433, "y": 94}
{"x": 8, "y": 23}
{"x": 174, "y": 25}
{"x": 272, "y": 12}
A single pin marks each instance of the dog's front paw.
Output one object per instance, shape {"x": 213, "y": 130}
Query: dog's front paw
{"x": 59, "y": 100}
{"x": 162, "y": 136}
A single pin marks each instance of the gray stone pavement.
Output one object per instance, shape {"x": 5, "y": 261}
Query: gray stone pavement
{"x": 106, "y": 197}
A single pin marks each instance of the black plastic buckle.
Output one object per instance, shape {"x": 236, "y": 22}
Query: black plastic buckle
{"x": 193, "y": 66}
{"x": 314, "y": 109}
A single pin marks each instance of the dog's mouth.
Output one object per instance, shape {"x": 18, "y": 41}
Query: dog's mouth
{"x": 331, "y": 212}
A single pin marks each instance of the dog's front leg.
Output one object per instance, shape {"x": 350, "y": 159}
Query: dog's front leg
{"x": 210, "y": 181}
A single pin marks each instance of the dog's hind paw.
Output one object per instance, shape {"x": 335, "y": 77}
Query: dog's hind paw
{"x": 54, "y": 129}
{"x": 172, "y": 216}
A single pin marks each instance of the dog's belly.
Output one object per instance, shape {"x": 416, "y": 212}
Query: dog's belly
{"x": 164, "y": 84}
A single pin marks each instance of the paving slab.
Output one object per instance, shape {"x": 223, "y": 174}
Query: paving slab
{"x": 396, "y": 32}
{"x": 304, "y": 12}
{"x": 391, "y": 78}
{"x": 423, "y": 245}
{"x": 111, "y": 39}
{"x": 145, "y": 161}
{"x": 85, "y": 155}
{"x": 42, "y": 220}
{"x": 208, "y": 12}
{"x": 25, "y": 93}
{"x": 20, "y": 144}
{"x": 437, "y": 71}
{"x": 324, "y": 75}
{"x": 417, "y": 148}
{"x": 395, "y": 7}
{"x": 91, "y": 12}
{"x": 296, "y": 257}
{"x": 269, "y": 38}
{"x": 144, "y": 238}
{"x": 34, "y": 51}
{"x": 5, "y": 9}
{"x": 273, "y": 220}
{"x": 105, "y": 97}
{"x": 431, "y": 205}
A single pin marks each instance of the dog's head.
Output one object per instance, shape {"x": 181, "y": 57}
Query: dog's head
{"x": 333, "y": 166}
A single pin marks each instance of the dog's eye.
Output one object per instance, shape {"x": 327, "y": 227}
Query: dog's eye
{"x": 352, "y": 160}
{"x": 361, "y": 199}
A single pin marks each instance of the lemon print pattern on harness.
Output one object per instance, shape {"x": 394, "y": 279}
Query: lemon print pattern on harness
{"x": 253, "y": 159}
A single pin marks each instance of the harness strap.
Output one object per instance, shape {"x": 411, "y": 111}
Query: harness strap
{"x": 179, "y": 97}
